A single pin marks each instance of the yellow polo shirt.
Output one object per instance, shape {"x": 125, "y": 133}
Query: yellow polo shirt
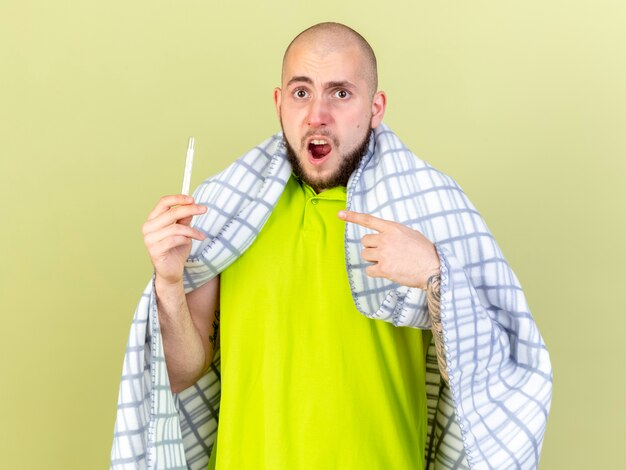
{"x": 308, "y": 382}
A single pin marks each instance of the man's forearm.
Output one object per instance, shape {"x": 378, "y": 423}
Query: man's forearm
{"x": 433, "y": 296}
{"x": 185, "y": 354}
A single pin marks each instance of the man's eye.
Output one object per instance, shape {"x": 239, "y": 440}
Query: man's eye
{"x": 342, "y": 94}
{"x": 301, "y": 93}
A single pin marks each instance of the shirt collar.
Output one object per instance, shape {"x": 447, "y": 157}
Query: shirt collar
{"x": 338, "y": 193}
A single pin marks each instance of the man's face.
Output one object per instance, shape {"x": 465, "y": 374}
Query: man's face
{"x": 326, "y": 111}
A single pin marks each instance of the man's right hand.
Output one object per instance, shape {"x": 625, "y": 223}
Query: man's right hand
{"x": 167, "y": 235}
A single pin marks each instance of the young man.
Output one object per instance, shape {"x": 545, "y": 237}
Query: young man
{"x": 307, "y": 381}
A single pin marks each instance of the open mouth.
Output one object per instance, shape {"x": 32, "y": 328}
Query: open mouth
{"x": 319, "y": 148}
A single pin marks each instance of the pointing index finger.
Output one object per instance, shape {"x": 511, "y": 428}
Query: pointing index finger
{"x": 365, "y": 220}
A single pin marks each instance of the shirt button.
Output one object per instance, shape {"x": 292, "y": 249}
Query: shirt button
{"x": 314, "y": 201}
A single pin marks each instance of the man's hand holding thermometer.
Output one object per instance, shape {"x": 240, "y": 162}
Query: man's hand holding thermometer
{"x": 167, "y": 232}
{"x": 185, "y": 319}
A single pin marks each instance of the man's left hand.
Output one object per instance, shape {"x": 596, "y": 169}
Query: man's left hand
{"x": 398, "y": 253}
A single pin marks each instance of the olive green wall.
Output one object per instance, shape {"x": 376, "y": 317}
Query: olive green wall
{"x": 524, "y": 103}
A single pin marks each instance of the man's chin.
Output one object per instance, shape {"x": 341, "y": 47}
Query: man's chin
{"x": 319, "y": 180}
{"x": 321, "y": 176}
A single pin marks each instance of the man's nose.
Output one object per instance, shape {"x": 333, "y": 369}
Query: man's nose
{"x": 319, "y": 113}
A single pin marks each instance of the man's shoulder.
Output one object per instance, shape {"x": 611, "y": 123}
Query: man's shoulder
{"x": 255, "y": 161}
{"x": 393, "y": 159}
{"x": 264, "y": 151}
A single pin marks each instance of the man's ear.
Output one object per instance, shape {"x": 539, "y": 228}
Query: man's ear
{"x": 277, "y": 98}
{"x": 379, "y": 104}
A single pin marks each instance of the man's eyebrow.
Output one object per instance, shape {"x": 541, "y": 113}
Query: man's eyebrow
{"x": 340, "y": 84}
{"x": 300, "y": 78}
{"x": 332, "y": 84}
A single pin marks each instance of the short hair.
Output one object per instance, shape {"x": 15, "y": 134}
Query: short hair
{"x": 337, "y": 35}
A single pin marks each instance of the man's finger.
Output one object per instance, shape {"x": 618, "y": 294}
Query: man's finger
{"x": 174, "y": 230}
{"x": 370, "y": 254}
{"x": 166, "y": 202}
{"x": 370, "y": 240}
{"x": 365, "y": 220}
{"x": 373, "y": 271}
{"x": 175, "y": 214}
{"x": 172, "y": 216}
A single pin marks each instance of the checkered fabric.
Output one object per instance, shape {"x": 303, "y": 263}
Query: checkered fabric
{"x": 494, "y": 413}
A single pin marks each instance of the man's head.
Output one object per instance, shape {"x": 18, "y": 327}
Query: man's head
{"x": 328, "y": 103}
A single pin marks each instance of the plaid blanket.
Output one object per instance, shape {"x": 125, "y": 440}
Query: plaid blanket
{"x": 494, "y": 413}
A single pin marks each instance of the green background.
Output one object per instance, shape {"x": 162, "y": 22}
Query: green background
{"x": 524, "y": 103}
